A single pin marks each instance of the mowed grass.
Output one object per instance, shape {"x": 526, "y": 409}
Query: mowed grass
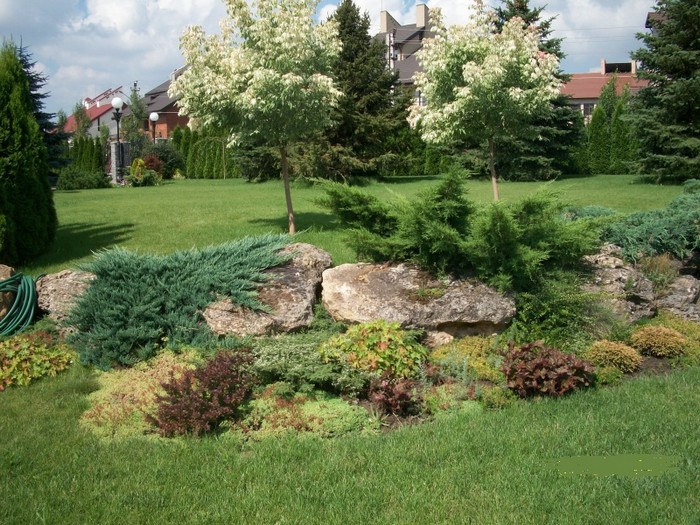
{"x": 196, "y": 213}
{"x": 488, "y": 468}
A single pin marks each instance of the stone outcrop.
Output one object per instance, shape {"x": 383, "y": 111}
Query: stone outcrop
{"x": 402, "y": 293}
{"x": 681, "y": 298}
{"x": 623, "y": 287}
{"x": 58, "y": 292}
{"x": 7, "y": 298}
{"x": 289, "y": 295}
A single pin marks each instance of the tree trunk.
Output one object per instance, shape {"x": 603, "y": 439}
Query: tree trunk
{"x": 287, "y": 190}
{"x": 492, "y": 169}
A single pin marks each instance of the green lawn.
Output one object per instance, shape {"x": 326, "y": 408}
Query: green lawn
{"x": 489, "y": 468}
{"x": 183, "y": 214}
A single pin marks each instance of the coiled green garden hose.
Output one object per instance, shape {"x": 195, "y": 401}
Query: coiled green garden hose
{"x": 21, "y": 314}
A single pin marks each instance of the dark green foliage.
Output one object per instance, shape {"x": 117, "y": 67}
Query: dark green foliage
{"x": 169, "y": 155}
{"x": 691, "y": 186}
{"x": 667, "y": 112}
{"x": 674, "y": 230}
{"x": 28, "y": 212}
{"x": 609, "y": 99}
{"x": 623, "y": 145}
{"x": 537, "y": 370}
{"x": 357, "y": 209}
{"x": 75, "y": 178}
{"x": 201, "y": 399}
{"x": 177, "y": 137}
{"x": 86, "y": 154}
{"x": 132, "y": 127}
{"x": 396, "y": 396}
{"x": 599, "y": 142}
{"x": 138, "y": 302}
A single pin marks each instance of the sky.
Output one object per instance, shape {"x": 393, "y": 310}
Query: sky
{"x": 85, "y": 47}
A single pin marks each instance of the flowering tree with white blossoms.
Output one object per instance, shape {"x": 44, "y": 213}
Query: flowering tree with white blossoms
{"x": 479, "y": 84}
{"x": 266, "y": 75}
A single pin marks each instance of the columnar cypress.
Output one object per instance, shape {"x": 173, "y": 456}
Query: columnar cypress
{"x": 622, "y": 143}
{"x": 599, "y": 142}
{"x": 29, "y": 222}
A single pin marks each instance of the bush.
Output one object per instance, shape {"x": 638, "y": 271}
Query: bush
{"x": 613, "y": 354}
{"x": 137, "y": 302}
{"x": 537, "y": 370}
{"x": 295, "y": 359}
{"x": 274, "y": 413}
{"x": 140, "y": 175}
{"x": 153, "y": 163}
{"x": 449, "y": 397}
{"x": 608, "y": 375}
{"x": 469, "y": 359}
{"x": 674, "y": 230}
{"x": 496, "y": 397}
{"x": 126, "y": 396}
{"x": 171, "y": 160}
{"x": 26, "y": 357}
{"x": 659, "y": 341}
{"x": 691, "y": 186}
{"x": 201, "y": 399}
{"x": 396, "y": 396}
{"x": 377, "y": 347}
{"x": 74, "y": 178}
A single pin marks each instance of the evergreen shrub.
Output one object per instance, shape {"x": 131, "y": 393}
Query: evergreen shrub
{"x": 606, "y": 353}
{"x": 137, "y": 303}
{"x": 659, "y": 341}
{"x": 534, "y": 369}
{"x": 199, "y": 400}
{"x": 170, "y": 158}
{"x": 73, "y": 177}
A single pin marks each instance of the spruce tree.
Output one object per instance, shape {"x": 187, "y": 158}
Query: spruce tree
{"x": 546, "y": 146}
{"x": 29, "y": 221}
{"x": 599, "y": 142}
{"x": 371, "y": 108}
{"x": 667, "y": 112}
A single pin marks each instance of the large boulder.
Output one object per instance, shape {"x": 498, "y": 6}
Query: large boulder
{"x": 681, "y": 298}
{"x": 289, "y": 296}
{"x": 357, "y": 293}
{"x": 623, "y": 287}
{"x": 58, "y": 292}
{"x": 6, "y": 298}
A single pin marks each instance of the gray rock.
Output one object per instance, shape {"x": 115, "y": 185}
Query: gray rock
{"x": 289, "y": 295}
{"x": 357, "y": 293}
{"x": 7, "y": 298}
{"x": 58, "y": 292}
{"x": 681, "y": 298}
{"x": 624, "y": 288}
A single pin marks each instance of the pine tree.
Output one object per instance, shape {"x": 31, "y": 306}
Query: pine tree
{"x": 546, "y": 146}
{"x": 667, "y": 112}
{"x": 29, "y": 221}
{"x": 599, "y": 142}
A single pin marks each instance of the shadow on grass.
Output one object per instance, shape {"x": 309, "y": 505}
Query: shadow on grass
{"x": 82, "y": 239}
{"x": 303, "y": 220}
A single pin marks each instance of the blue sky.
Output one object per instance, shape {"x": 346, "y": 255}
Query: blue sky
{"x": 85, "y": 47}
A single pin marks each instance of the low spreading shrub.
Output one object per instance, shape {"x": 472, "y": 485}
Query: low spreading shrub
{"x": 691, "y": 186}
{"x": 275, "y": 413}
{"x": 73, "y": 177}
{"x": 396, "y": 396}
{"x": 608, "y": 375}
{"x": 199, "y": 400}
{"x": 377, "y": 347}
{"x": 691, "y": 331}
{"x": 468, "y": 359}
{"x": 119, "y": 407}
{"x": 659, "y": 341}
{"x": 613, "y": 354}
{"x": 295, "y": 359}
{"x": 537, "y": 370}
{"x": 26, "y": 357}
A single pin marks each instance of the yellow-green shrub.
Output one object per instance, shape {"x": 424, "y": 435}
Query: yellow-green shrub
{"x": 659, "y": 341}
{"x": 689, "y": 329}
{"x": 469, "y": 358}
{"x": 26, "y": 357}
{"x": 125, "y": 396}
{"x": 613, "y": 354}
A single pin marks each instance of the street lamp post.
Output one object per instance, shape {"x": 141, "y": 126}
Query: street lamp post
{"x": 118, "y": 104}
{"x": 153, "y": 117}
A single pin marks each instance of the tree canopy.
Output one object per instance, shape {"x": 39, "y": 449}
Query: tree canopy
{"x": 480, "y": 83}
{"x": 667, "y": 112}
{"x": 267, "y": 76}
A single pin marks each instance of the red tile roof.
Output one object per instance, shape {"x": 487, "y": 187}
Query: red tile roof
{"x": 588, "y": 85}
{"x": 93, "y": 114}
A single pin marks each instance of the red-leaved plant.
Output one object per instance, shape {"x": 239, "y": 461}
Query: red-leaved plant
{"x": 534, "y": 369}
{"x": 201, "y": 399}
{"x": 396, "y": 396}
